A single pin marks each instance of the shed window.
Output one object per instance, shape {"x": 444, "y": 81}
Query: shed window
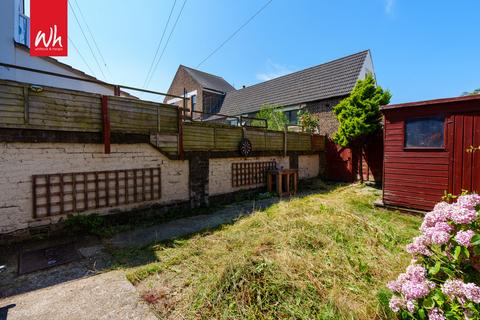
{"x": 424, "y": 133}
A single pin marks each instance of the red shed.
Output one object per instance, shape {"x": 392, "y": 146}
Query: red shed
{"x": 429, "y": 149}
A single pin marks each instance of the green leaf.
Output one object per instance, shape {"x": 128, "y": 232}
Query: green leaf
{"x": 421, "y": 314}
{"x": 476, "y": 250}
{"x": 448, "y": 271}
{"x": 457, "y": 251}
{"x": 435, "y": 269}
{"x": 466, "y": 252}
{"x": 476, "y": 240}
{"x": 439, "y": 298}
{"x": 428, "y": 303}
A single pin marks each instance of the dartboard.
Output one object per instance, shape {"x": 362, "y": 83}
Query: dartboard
{"x": 245, "y": 147}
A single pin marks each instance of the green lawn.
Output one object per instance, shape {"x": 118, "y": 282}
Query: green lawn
{"x": 327, "y": 255}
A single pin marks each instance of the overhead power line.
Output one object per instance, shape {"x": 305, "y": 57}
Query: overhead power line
{"x": 91, "y": 35}
{"x": 86, "y": 39}
{"x": 235, "y": 32}
{"x": 159, "y": 44}
{"x": 81, "y": 56}
{"x": 166, "y": 43}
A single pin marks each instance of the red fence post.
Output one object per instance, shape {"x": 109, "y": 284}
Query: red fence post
{"x": 106, "y": 124}
{"x": 116, "y": 91}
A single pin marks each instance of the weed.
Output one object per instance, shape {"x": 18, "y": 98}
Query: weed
{"x": 327, "y": 255}
{"x": 90, "y": 224}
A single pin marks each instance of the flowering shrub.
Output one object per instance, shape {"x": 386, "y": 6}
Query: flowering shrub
{"x": 442, "y": 281}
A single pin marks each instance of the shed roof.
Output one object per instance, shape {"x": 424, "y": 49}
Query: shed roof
{"x": 431, "y": 102}
{"x": 332, "y": 79}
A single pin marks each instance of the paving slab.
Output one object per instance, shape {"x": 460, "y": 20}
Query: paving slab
{"x": 104, "y": 296}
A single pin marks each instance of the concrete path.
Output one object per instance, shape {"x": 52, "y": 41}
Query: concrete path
{"x": 104, "y": 296}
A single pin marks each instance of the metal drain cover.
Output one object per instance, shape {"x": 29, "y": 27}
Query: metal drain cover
{"x": 40, "y": 259}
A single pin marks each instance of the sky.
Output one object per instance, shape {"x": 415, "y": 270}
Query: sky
{"x": 422, "y": 49}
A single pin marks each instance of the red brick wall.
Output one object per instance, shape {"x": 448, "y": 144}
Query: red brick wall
{"x": 181, "y": 81}
{"x": 324, "y": 109}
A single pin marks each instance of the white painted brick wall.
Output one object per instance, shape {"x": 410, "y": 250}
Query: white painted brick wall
{"x": 220, "y": 176}
{"x": 308, "y": 166}
{"x": 19, "y": 161}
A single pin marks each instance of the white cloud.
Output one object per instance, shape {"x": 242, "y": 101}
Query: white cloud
{"x": 389, "y": 4}
{"x": 273, "y": 70}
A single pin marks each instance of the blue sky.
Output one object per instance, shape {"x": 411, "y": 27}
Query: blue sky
{"x": 421, "y": 49}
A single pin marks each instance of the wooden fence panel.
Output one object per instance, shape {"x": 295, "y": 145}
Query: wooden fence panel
{"x": 70, "y": 110}
{"x": 318, "y": 143}
{"x": 198, "y": 137}
{"x": 257, "y": 138}
{"x": 128, "y": 115}
{"x": 11, "y": 105}
{"x": 305, "y": 141}
{"x": 227, "y": 139}
{"x": 167, "y": 119}
{"x": 293, "y": 141}
{"x": 274, "y": 140}
{"x": 167, "y": 143}
{"x": 60, "y": 109}
{"x": 299, "y": 141}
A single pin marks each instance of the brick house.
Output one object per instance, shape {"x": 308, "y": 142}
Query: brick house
{"x": 205, "y": 91}
{"x": 316, "y": 89}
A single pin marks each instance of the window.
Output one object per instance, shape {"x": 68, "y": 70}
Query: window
{"x": 22, "y": 30}
{"x": 292, "y": 116}
{"x": 424, "y": 133}
{"x": 194, "y": 101}
{"x": 22, "y": 24}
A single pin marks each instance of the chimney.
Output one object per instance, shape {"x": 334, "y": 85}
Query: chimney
{"x": 243, "y": 87}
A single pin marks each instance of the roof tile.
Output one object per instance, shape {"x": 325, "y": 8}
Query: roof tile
{"x": 331, "y": 79}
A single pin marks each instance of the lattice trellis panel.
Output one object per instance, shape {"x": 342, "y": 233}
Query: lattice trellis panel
{"x": 251, "y": 173}
{"x": 62, "y": 193}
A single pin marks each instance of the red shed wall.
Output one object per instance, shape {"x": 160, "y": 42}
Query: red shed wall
{"x": 412, "y": 178}
{"x": 418, "y": 178}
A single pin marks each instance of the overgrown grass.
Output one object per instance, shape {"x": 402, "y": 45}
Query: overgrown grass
{"x": 323, "y": 256}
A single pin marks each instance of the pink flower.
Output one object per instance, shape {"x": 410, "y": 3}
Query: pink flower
{"x": 469, "y": 201}
{"x": 462, "y": 215}
{"x": 441, "y": 213}
{"x": 472, "y": 292}
{"x": 416, "y": 290}
{"x": 412, "y": 285}
{"x": 410, "y": 306}
{"x": 453, "y": 288}
{"x": 416, "y": 272}
{"x": 457, "y": 289}
{"x": 396, "y": 303}
{"x": 464, "y": 237}
{"x": 439, "y": 233}
{"x": 440, "y": 237}
{"x": 441, "y": 206}
{"x": 395, "y": 286}
{"x": 435, "y": 314}
{"x": 419, "y": 246}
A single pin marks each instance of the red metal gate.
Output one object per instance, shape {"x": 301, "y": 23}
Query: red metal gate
{"x": 465, "y": 155}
